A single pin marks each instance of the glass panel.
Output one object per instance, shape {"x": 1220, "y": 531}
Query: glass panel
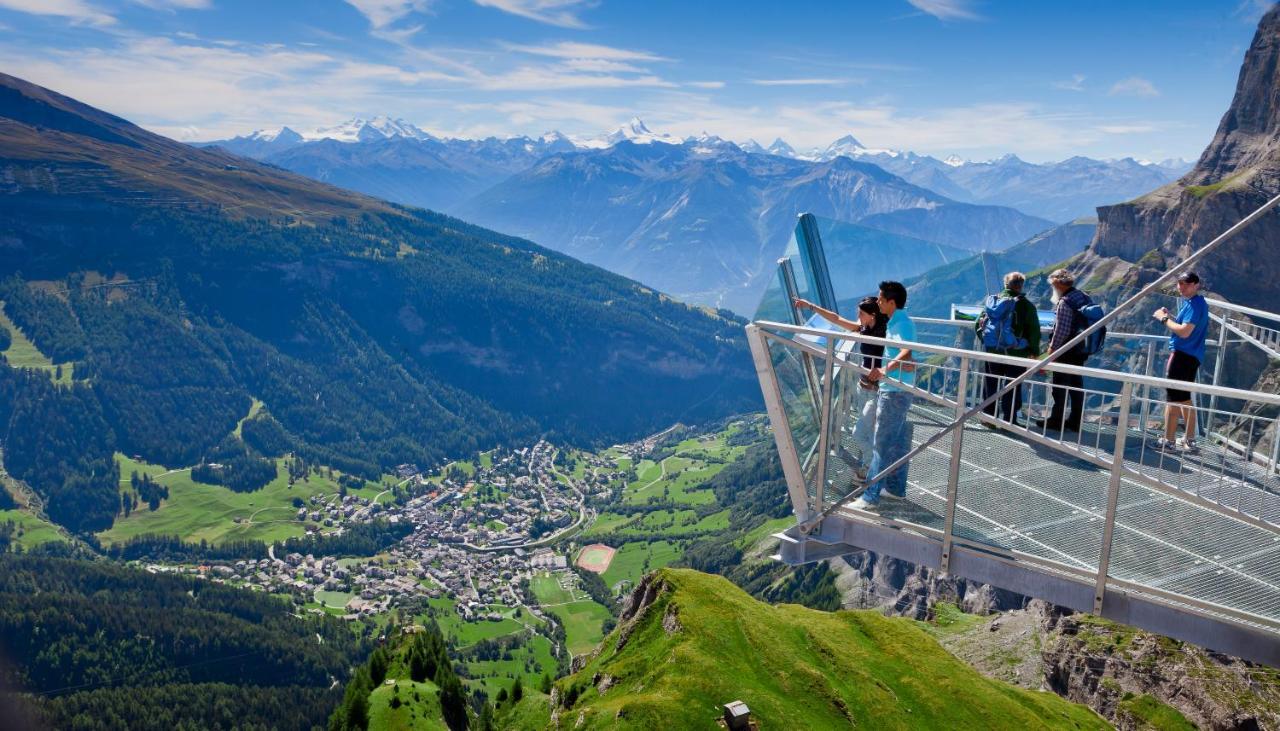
{"x": 798, "y": 403}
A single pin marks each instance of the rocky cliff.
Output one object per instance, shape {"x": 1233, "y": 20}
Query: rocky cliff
{"x": 1239, "y": 170}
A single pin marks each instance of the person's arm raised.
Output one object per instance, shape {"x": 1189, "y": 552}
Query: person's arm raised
{"x": 828, "y": 315}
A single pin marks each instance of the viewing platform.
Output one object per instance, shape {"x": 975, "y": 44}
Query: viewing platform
{"x": 1103, "y": 520}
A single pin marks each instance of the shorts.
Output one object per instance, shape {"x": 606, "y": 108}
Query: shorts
{"x": 1182, "y": 367}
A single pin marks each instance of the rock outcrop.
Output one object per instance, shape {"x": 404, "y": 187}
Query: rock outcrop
{"x": 1238, "y": 171}
{"x": 867, "y": 580}
{"x": 1112, "y": 668}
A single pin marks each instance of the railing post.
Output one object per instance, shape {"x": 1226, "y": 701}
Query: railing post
{"x": 1218, "y": 364}
{"x": 824, "y": 423}
{"x": 1113, "y": 497}
{"x": 1146, "y": 389}
{"x": 953, "y": 473}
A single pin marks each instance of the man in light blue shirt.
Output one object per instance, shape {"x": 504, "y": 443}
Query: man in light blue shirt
{"x": 892, "y": 438}
{"x": 1187, "y": 332}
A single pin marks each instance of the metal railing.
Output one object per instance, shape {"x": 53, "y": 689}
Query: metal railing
{"x": 1092, "y": 482}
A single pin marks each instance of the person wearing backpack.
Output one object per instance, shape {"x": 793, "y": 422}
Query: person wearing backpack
{"x": 1008, "y": 325}
{"x": 1069, "y": 319}
{"x": 1187, "y": 332}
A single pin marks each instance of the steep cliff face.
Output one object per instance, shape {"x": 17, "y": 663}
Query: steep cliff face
{"x": 1239, "y": 170}
{"x": 868, "y": 580}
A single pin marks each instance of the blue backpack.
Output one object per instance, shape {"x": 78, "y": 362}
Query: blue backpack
{"x": 1088, "y": 315}
{"x": 995, "y": 324}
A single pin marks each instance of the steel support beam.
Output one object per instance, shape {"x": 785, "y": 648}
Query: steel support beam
{"x": 782, "y": 437}
{"x": 1113, "y": 498}
{"x": 953, "y": 472}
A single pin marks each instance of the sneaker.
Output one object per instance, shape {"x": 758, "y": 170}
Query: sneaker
{"x": 1188, "y": 445}
{"x": 862, "y": 504}
{"x": 1164, "y": 445}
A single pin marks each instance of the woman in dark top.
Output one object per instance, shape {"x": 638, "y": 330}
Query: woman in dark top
{"x": 871, "y": 321}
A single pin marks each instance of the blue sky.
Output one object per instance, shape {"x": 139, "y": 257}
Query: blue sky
{"x": 978, "y": 78}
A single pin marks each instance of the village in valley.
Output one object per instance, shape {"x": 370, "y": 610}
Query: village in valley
{"x": 499, "y": 550}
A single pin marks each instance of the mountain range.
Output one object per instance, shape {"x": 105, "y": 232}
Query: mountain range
{"x": 184, "y": 284}
{"x": 702, "y": 218}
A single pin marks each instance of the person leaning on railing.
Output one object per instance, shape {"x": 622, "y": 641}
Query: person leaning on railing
{"x": 1008, "y": 329}
{"x": 892, "y": 438}
{"x": 1187, "y": 332}
{"x": 871, "y": 321}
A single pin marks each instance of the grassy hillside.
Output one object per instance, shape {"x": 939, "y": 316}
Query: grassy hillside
{"x": 703, "y": 642}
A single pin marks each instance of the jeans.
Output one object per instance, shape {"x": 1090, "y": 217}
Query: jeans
{"x": 1067, "y": 387}
{"x": 1010, "y": 404}
{"x": 892, "y": 441}
{"x": 865, "y": 427}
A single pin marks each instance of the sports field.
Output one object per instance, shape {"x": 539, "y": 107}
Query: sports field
{"x": 596, "y": 557}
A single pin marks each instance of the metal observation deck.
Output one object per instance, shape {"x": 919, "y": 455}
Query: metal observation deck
{"x": 1102, "y": 520}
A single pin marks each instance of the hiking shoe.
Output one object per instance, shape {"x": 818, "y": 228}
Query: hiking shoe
{"x": 862, "y": 504}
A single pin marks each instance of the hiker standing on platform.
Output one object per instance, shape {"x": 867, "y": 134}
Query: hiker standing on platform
{"x": 892, "y": 438}
{"x": 1068, "y": 321}
{"x": 1187, "y": 332}
{"x": 1008, "y": 325}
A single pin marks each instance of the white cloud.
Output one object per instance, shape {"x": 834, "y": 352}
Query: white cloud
{"x": 76, "y": 10}
{"x": 705, "y": 84}
{"x": 1251, "y": 11}
{"x": 1076, "y": 83}
{"x": 945, "y": 9}
{"x": 562, "y": 13}
{"x": 1134, "y": 86}
{"x": 570, "y": 49}
{"x": 176, "y": 4}
{"x": 798, "y": 82}
{"x": 1127, "y": 129}
{"x": 382, "y": 13}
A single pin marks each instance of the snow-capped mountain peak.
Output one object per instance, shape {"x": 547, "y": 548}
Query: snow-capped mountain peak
{"x": 955, "y": 161}
{"x": 781, "y": 148}
{"x": 369, "y": 130}
{"x": 845, "y": 145}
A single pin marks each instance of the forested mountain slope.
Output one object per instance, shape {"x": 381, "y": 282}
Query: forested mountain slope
{"x": 182, "y": 283}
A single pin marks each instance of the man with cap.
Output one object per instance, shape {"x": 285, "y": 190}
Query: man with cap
{"x": 1187, "y": 332}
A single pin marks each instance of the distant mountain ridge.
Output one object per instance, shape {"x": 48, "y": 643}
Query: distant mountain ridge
{"x": 707, "y": 223}
{"x": 1057, "y": 191}
{"x": 702, "y": 218}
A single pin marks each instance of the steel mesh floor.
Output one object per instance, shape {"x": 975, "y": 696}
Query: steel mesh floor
{"x": 1017, "y": 495}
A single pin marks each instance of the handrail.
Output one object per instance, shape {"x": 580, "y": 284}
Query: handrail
{"x": 1052, "y": 356}
{"x": 1099, "y": 373}
{"x": 958, "y": 324}
{"x": 1250, "y": 311}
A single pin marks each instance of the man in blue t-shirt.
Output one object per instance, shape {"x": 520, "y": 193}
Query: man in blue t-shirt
{"x": 1186, "y": 341}
{"x": 892, "y": 439}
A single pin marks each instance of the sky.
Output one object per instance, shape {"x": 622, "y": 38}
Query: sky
{"x": 974, "y": 78}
